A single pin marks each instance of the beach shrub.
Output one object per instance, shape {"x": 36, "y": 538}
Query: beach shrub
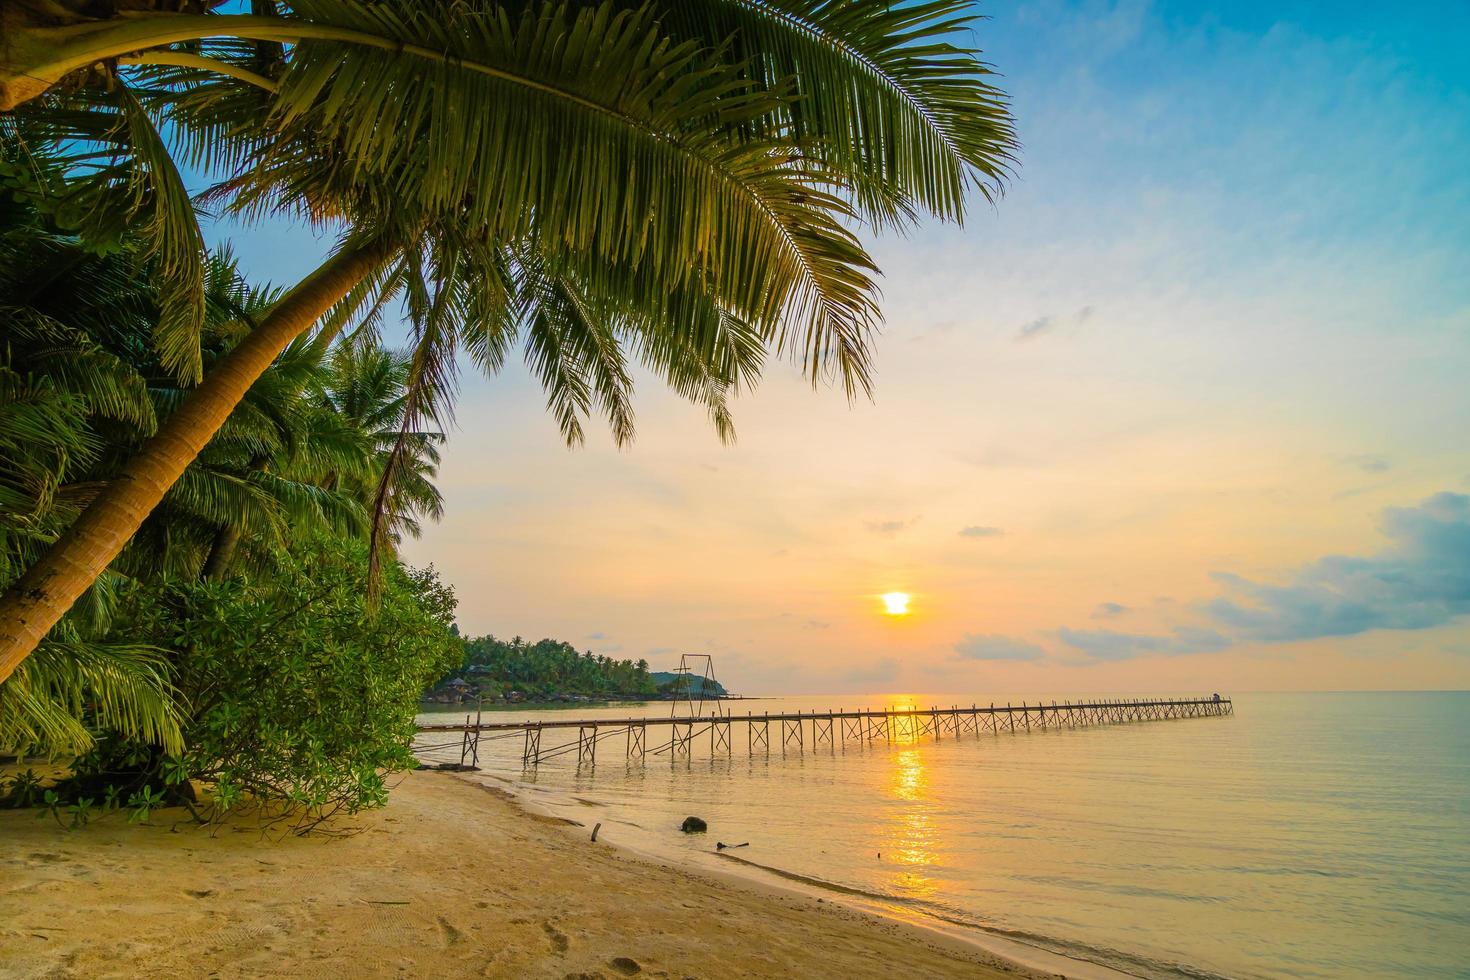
{"x": 297, "y": 697}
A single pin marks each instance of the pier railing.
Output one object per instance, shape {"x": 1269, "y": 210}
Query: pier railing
{"x": 799, "y": 731}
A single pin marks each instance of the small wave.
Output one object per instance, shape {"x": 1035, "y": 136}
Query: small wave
{"x": 1287, "y": 872}
{"x": 1119, "y": 888}
{"x": 1113, "y": 959}
{"x": 823, "y": 883}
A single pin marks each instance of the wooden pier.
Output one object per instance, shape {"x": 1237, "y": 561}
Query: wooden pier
{"x": 802, "y": 731}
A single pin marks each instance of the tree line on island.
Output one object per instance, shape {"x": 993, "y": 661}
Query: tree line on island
{"x": 204, "y": 478}
{"x": 511, "y": 671}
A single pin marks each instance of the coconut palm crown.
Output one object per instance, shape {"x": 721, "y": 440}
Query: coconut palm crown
{"x": 681, "y": 182}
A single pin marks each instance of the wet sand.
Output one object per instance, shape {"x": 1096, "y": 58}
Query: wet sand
{"x": 450, "y": 880}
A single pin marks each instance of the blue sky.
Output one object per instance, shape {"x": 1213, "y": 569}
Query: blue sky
{"x": 1216, "y": 333}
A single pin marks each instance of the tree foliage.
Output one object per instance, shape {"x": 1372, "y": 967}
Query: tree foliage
{"x": 549, "y": 667}
{"x": 296, "y": 698}
{"x": 81, "y": 388}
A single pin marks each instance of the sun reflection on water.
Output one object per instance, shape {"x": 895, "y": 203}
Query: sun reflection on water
{"x": 910, "y": 838}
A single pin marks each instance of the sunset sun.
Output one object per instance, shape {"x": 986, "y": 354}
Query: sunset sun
{"x": 895, "y": 603}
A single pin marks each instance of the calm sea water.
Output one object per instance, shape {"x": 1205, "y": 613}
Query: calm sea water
{"x": 1318, "y": 835}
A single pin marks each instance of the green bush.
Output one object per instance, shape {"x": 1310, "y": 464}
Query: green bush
{"x": 295, "y": 696}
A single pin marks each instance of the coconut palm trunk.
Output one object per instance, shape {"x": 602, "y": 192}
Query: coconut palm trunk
{"x": 221, "y": 553}
{"x": 42, "y": 596}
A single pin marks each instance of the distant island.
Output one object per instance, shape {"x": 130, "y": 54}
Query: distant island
{"x": 497, "y": 671}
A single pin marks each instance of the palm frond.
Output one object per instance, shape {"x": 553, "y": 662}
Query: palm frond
{"x": 628, "y": 150}
{"x": 75, "y": 363}
{"x": 886, "y": 93}
{"x": 121, "y": 178}
{"x": 68, "y": 687}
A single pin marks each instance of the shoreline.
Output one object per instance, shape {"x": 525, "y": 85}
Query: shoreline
{"x": 452, "y": 878}
{"x": 1027, "y": 958}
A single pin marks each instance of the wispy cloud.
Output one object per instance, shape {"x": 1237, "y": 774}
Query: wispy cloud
{"x": 997, "y": 457}
{"x": 980, "y": 531}
{"x": 1035, "y": 328}
{"x": 1108, "y": 645}
{"x": 891, "y": 527}
{"x": 878, "y": 672}
{"x": 1369, "y": 463}
{"x": 978, "y": 646}
{"x": 1109, "y": 610}
{"x": 1042, "y": 325}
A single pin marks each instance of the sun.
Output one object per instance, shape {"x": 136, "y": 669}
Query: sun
{"x": 895, "y": 603}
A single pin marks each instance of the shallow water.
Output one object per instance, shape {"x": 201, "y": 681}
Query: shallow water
{"x": 1316, "y": 835}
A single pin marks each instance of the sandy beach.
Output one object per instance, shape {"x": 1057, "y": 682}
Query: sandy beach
{"x": 449, "y": 880}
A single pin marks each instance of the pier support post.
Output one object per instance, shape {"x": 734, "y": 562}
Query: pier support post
{"x": 587, "y": 744}
{"x": 531, "y": 749}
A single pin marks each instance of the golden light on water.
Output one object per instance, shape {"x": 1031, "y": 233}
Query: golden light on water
{"x": 895, "y": 603}
{"x": 910, "y": 842}
{"x": 909, "y": 778}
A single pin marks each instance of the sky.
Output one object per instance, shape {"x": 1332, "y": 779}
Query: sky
{"x": 1185, "y": 411}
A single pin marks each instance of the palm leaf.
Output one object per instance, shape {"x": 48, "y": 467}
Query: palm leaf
{"x": 121, "y": 178}
{"x": 883, "y": 92}
{"x": 117, "y": 686}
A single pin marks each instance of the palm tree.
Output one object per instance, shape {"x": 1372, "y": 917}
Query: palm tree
{"x": 64, "y": 398}
{"x": 366, "y": 388}
{"x": 80, "y": 388}
{"x": 674, "y": 179}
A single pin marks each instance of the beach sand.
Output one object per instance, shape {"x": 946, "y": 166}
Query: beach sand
{"x": 450, "y": 880}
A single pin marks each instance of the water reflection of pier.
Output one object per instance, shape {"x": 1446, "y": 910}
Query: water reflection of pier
{"x": 800, "y": 731}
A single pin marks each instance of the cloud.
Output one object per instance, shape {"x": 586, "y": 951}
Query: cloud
{"x": 596, "y": 636}
{"x": 1046, "y": 324}
{"x": 980, "y": 531}
{"x": 880, "y": 671}
{"x": 1420, "y": 581}
{"x": 977, "y": 646}
{"x": 1035, "y": 328}
{"x": 891, "y": 527}
{"x": 997, "y": 457}
{"x": 1369, "y": 463}
{"x": 1108, "y": 645}
{"x": 1108, "y": 610}
{"x": 816, "y": 624}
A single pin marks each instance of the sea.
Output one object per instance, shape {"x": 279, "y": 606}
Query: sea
{"x": 1306, "y": 835}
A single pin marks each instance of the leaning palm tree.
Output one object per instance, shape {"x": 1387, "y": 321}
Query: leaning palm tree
{"x": 672, "y": 179}
{"x": 78, "y": 393}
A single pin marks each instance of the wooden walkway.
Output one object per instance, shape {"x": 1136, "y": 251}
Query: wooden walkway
{"x": 799, "y": 731}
